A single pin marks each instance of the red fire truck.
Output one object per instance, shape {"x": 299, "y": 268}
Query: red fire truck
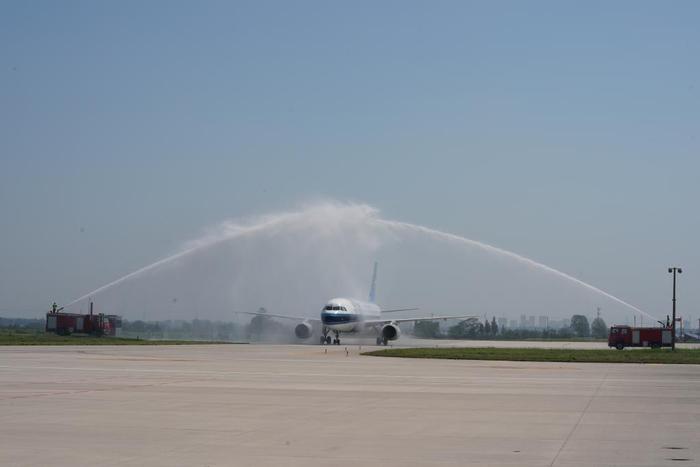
{"x": 628, "y": 336}
{"x": 96, "y": 324}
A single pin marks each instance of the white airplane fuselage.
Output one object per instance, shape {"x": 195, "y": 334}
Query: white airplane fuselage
{"x": 347, "y": 315}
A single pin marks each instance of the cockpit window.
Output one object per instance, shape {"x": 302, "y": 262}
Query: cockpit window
{"x": 328, "y": 307}
{"x": 336, "y": 308}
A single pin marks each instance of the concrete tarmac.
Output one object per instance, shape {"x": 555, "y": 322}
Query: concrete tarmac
{"x": 252, "y": 405}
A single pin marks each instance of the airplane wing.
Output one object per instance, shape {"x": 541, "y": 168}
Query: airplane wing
{"x": 272, "y": 315}
{"x": 372, "y": 322}
{"x": 399, "y": 309}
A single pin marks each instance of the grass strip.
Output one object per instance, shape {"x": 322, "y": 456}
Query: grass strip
{"x": 684, "y": 356}
{"x": 50, "y": 339}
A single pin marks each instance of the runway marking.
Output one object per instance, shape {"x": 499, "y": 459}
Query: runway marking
{"x": 578, "y": 422}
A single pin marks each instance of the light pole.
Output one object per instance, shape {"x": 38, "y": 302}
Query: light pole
{"x": 673, "y": 271}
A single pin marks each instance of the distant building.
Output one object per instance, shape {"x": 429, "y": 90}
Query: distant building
{"x": 531, "y": 322}
{"x": 523, "y": 321}
{"x": 502, "y": 323}
{"x": 512, "y": 324}
{"x": 543, "y": 322}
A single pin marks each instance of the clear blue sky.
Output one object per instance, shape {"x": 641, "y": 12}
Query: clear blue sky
{"x": 565, "y": 131}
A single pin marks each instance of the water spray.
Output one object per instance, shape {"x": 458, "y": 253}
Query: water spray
{"x": 353, "y": 215}
{"x": 233, "y": 231}
{"x": 509, "y": 254}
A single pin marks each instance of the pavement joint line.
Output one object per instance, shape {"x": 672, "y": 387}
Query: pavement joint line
{"x": 465, "y": 379}
{"x": 93, "y": 390}
{"x": 578, "y": 422}
{"x": 225, "y": 372}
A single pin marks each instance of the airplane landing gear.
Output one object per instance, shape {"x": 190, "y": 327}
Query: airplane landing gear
{"x": 381, "y": 341}
{"x": 325, "y": 338}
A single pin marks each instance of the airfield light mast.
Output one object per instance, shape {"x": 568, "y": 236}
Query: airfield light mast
{"x": 673, "y": 271}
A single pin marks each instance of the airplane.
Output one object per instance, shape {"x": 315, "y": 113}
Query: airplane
{"x": 347, "y": 315}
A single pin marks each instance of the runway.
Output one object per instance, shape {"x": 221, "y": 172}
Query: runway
{"x": 298, "y": 405}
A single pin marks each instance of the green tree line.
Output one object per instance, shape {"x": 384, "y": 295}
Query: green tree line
{"x": 474, "y": 328}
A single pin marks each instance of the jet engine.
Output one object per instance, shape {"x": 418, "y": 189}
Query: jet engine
{"x": 303, "y": 330}
{"x": 391, "y": 331}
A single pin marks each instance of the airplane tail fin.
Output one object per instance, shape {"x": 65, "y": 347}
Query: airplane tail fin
{"x": 373, "y": 288}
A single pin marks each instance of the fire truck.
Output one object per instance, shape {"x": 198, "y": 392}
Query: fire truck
{"x": 94, "y": 324}
{"x": 97, "y": 324}
{"x": 628, "y": 336}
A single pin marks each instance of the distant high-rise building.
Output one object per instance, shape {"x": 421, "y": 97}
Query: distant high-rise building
{"x": 512, "y": 324}
{"x": 531, "y": 322}
{"x": 502, "y": 323}
{"x": 543, "y": 322}
{"x": 523, "y": 321}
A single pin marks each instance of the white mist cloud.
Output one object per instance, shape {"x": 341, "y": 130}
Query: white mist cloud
{"x": 292, "y": 262}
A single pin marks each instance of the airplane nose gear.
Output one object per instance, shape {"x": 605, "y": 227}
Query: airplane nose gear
{"x": 336, "y": 341}
{"x": 325, "y": 338}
